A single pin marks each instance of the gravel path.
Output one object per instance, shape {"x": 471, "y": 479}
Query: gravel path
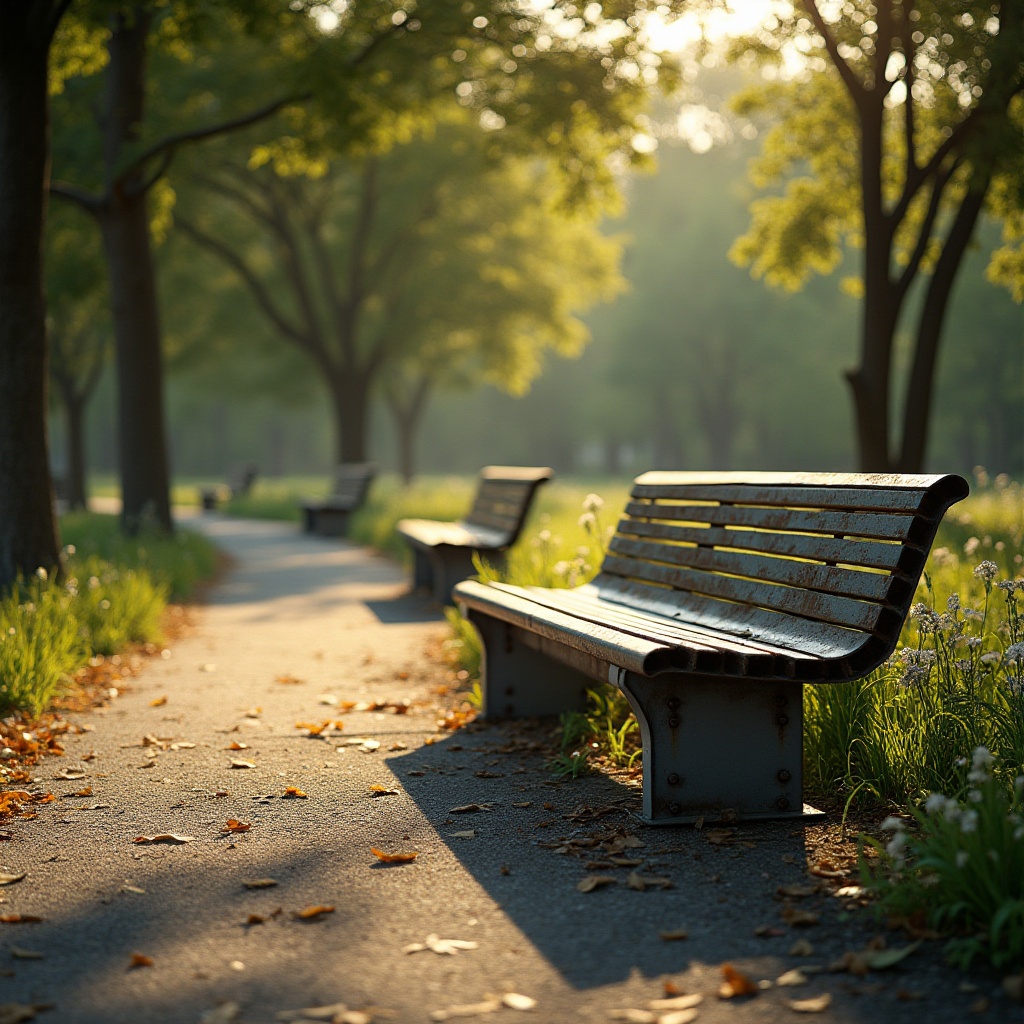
{"x": 306, "y": 630}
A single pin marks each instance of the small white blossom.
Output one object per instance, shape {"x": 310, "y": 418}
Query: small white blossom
{"x": 593, "y": 503}
{"x": 892, "y": 823}
{"x": 986, "y": 571}
{"x": 971, "y": 546}
{"x": 587, "y": 521}
{"x": 962, "y": 857}
{"x": 953, "y": 603}
{"x": 935, "y": 803}
{"x": 969, "y": 821}
{"x": 1015, "y": 652}
{"x": 895, "y": 845}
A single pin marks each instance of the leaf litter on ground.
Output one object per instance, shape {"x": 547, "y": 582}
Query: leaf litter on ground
{"x": 435, "y": 944}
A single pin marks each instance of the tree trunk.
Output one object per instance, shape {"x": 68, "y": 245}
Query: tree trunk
{"x": 124, "y": 221}
{"x": 350, "y": 396}
{"x": 408, "y": 416}
{"x": 145, "y": 477}
{"x": 74, "y": 419}
{"x": 920, "y": 385}
{"x": 28, "y": 533}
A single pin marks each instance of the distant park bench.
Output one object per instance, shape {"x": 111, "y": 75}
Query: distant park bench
{"x": 443, "y": 552}
{"x": 329, "y": 517}
{"x": 239, "y": 482}
{"x": 721, "y": 594}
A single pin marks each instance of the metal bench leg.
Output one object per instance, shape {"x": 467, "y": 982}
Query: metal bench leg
{"x": 422, "y": 570}
{"x": 519, "y": 681}
{"x": 451, "y": 566}
{"x": 712, "y": 744}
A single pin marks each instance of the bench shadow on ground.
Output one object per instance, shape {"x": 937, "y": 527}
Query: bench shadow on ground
{"x": 719, "y": 894}
{"x": 411, "y": 606}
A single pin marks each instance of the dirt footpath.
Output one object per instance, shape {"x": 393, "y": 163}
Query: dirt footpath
{"x": 211, "y": 854}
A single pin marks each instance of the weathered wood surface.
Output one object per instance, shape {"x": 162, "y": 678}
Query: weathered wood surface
{"x": 350, "y": 487}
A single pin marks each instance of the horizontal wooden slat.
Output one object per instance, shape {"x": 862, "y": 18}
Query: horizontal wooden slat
{"x": 534, "y": 473}
{"x": 432, "y": 533}
{"x": 813, "y": 639}
{"x": 842, "y": 611}
{"x": 870, "y": 525}
{"x": 838, "y": 498}
{"x": 870, "y": 554}
{"x": 871, "y": 586}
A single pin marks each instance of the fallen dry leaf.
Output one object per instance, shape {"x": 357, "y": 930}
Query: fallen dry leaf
{"x": 260, "y": 883}
{"x": 71, "y": 774}
{"x": 288, "y": 680}
{"x": 795, "y": 917}
{"x": 687, "y": 1002}
{"x": 488, "y": 1005}
{"x": 801, "y": 948}
{"x": 643, "y": 882}
{"x": 159, "y": 702}
{"x": 736, "y": 984}
{"x": 818, "y": 1004}
{"x": 336, "y": 1013}
{"x": 234, "y": 825}
{"x": 294, "y": 793}
{"x": 377, "y": 789}
{"x": 25, "y": 954}
{"x": 677, "y": 1017}
{"x": 140, "y": 960}
{"x": 470, "y": 808}
{"x": 447, "y": 947}
{"x": 255, "y": 919}
{"x": 795, "y": 892}
{"x": 15, "y": 1013}
{"x": 84, "y": 792}
{"x": 517, "y": 1001}
{"x": 592, "y": 882}
{"x": 393, "y": 858}
{"x": 469, "y": 833}
{"x": 11, "y": 879}
{"x": 236, "y": 745}
{"x": 223, "y": 1014}
{"x": 19, "y": 919}
{"x": 791, "y": 978}
{"x": 133, "y": 889}
{"x": 721, "y": 836}
{"x": 165, "y": 837}
{"x": 634, "y": 1016}
{"x": 311, "y": 913}
{"x": 674, "y": 935}
{"x": 238, "y": 763}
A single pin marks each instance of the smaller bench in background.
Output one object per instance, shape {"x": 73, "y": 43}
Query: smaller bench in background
{"x": 239, "y": 482}
{"x": 328, "y": 517}
{"x": 443, "y": 552}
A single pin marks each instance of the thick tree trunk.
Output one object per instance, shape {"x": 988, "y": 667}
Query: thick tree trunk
{"x": 145, "y": 476}
{"x": 124, "y": 221}
{"x": 28, "y": 535}
{"x": 920, "y": 384}
{"x": 408, "y": 416}
{"x": 74, "y": 420}
{"x": 350, "y": 396}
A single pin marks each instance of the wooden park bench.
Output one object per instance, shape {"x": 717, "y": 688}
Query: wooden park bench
{"x": 443, "y": 552}
{"x": 329, "y": 517}
{"x": 239, "y": 482}
{"x": 721, "y": 594}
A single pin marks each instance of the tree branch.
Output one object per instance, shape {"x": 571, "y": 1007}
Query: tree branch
{"x": 939, "y": 184}
{"x": 86, "y": 200}
{"x": 853, "y": 84}
{"x": 257, "y": 288}
{"x": 198, "y": 134}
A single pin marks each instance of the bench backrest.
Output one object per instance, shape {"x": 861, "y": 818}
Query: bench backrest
{"x": 820, "y": 563}
{"x": 503, "y": 498}
{"x": 352, "y": 480}
{"x": 241, "y": 478}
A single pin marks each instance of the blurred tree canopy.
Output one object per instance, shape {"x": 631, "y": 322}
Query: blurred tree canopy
{"x": 897, "y": 123}
{"x": 431, "y": 265}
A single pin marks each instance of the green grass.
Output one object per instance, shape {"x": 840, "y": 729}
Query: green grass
{"x": 112, "y": 593}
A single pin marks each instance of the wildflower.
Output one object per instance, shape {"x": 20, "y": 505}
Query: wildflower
{"x": 1007, "y": 586}
{"x": 981, "y": 758}
{"x": 991, "y": 658}
{"x": 544, "y": 536}
{"x": 974, "y": 796}
{"x": 892, "y": 824}
{"x": 969, "y": 821}
{"x": 986, "y": 571}
{"x": 935, "y": 803}
{"x": 1015, "y": 652}
{"x": 973, "y": 641}
{"x": 913, "y": 676}
{"x": 42, "y": 573}
{"x": 971, "y": 546}
{"x": 1016, "y": 685}
{"x": 593, "y": 503}
{"x": 895, "y": 845}
{"x": 963, "y": 666}
{"x": 962, "y": 857}
{"x": 560, "y": 568}
{"x": 588, "y": 521}
{"x": 953, "y": 603}
{"x": 972, "y": 613}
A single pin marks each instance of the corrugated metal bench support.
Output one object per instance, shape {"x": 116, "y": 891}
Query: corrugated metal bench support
{"x": 329, "y": 517}
{"x": 720, "y": 596}
{"x": 443, "y": 552}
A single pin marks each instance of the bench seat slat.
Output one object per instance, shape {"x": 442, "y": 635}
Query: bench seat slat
{"x": 601, "y": 642}
{"x": 870, "y": 554}
{"x": 872, "y": 586}
{"x": 435, "y": 533}
{"x": 871, "y": 525}
{"x": 817, "y": 640}
{"x": 814, "y": 605}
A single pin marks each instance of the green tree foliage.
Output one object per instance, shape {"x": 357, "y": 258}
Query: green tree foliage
{"x": 429, "y": 266}
{"x": 905, "y": 118}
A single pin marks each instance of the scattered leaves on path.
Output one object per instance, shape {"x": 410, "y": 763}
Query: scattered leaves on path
{"x": 239, "y": 763}
{"x": 792, "y": 978}
{"x": 15, "y": 1013}
{"x": 140, "y": 960}
{"x": 234, "y": 825}
{"x": 817, "y": 1004}
{"x": 735, "y": 984}
{"x": 165, "y": 837}
{"x": 673, "y": 935}
{"x": 312, "y": 913}
{"x": 223, "y": 1014}
{"x": 71, "y": 774}
{"x": 469, "y": 833}
{"x": 487, "y": 1005}
{"x": 289, "y": 680}
{"x": 293, "y": 793}
{"x": 795, "y": 917}
{"x": 25, "y": 954}
{"x": 641, "y": 883}
{"x": 445, "y": 947}
{"x": 11, "y": 879}
{"x": 237, "y": 745}
{"x": 393, "y": 858}
{"x": 260, "y": 883}
{"x": 19, "y": 919}
{"x": 517, "y": 1001}
{"x": 801, "y": 948}
{"x": 471, "y": 808}
{"x": 338, "y": 1013}
{"x": 158, "y": 702}
{"x": 377, "y": 789}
